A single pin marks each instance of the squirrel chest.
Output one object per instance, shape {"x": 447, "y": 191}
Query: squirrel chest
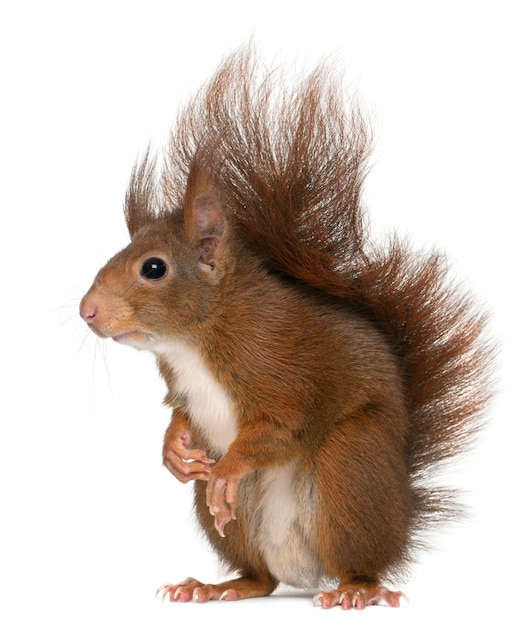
{"x": 276, "y": 501}
{"x": 208, "y": 405}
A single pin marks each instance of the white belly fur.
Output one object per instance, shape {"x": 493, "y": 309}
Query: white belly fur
{"x": 278, "y": 516}
{"x": 285, "y": 518}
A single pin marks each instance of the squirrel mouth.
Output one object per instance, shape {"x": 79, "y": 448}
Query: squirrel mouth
{"x": 134, "y": 338}
{"x": 125, "y": 337}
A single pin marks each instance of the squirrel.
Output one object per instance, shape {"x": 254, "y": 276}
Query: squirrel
{"x": 317, "y": 379}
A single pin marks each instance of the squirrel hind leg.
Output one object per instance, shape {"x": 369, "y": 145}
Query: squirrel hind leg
{"x": 358, "y": 596}
{"x": 236, "y": 589}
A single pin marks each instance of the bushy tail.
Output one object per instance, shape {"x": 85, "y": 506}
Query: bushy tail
{"x": 289, "y": 162}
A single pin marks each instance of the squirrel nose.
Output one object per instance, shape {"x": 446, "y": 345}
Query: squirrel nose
{"x": 88, "y": 311}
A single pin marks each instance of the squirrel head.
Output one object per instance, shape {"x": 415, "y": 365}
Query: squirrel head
{"x": 165, "y": 282}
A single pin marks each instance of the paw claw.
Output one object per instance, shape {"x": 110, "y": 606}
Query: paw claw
{"x": 177, "y": 594}
{"x": 163, "y": 588}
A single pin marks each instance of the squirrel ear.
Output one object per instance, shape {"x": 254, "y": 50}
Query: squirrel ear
{"x": 206, "y": 226}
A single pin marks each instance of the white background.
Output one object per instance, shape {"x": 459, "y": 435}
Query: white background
{"x": 90, "y": 523}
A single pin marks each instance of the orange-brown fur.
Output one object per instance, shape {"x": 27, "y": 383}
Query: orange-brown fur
{"x": 351, "y": 370}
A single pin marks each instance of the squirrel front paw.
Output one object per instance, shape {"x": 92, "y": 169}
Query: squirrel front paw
{"x": 222, "y": 499}
{"x": 183, "y": 463}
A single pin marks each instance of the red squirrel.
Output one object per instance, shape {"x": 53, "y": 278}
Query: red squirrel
{"x": 316, "y": 379}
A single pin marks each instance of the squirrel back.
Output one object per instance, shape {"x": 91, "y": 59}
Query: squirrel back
{"x": 278, "y": 174}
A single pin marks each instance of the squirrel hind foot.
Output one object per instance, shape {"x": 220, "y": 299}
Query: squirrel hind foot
{"x": 237, "y": 589}
{"x": 358, "y": 596}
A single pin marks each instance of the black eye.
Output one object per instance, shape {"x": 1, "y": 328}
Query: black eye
{"x": 154, "y": 268}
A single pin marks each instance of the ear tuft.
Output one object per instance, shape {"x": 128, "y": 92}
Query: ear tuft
{"x": 141, "y": 202}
